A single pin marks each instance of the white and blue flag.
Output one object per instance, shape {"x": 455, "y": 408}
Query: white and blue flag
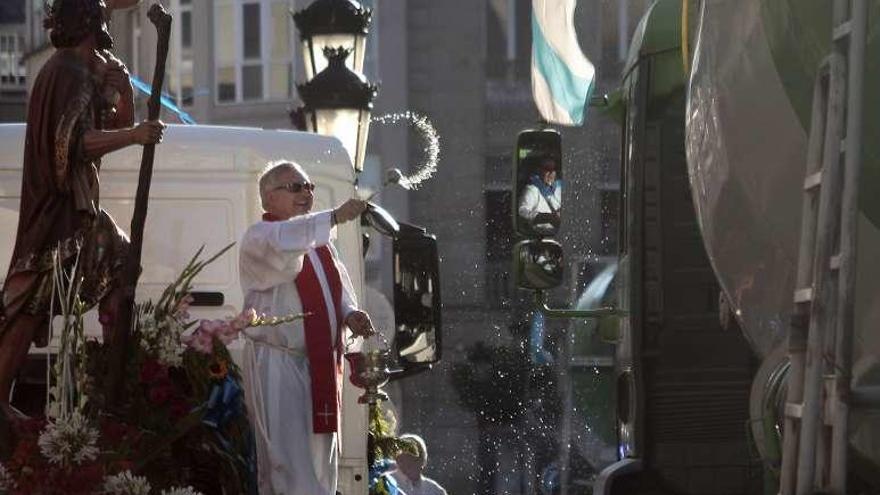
{"x": 562, "y": 77}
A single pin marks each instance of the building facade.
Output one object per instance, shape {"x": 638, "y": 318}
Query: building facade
{"x": 13, "y": 29}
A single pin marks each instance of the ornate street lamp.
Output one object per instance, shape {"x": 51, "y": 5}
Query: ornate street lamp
{"x": 338, "y": 102}
{"x": 333, "y": 24}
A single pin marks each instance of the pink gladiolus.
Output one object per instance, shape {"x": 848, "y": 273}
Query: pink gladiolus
{"x": 211, "y": 327}
{"x": 251, "y": 314}
{"x": 182, "y": 309}
{"x": 200, "y": 341}
{"x": 227, "y": 334}
{"x": 226, "y": 331}
{"x": 205, "y": 343}
{"x": 244, "y": 319}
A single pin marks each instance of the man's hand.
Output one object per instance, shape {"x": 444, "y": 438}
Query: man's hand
{"x": 349, "y": 210}
{"x": 115, "y": 73}
{"x": 148, "y": 132}
{"x": 118, "y": 79}
{"x": 359, "y": 323}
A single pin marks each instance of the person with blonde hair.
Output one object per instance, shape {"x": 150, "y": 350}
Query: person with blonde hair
{"x": 410, "y": 468}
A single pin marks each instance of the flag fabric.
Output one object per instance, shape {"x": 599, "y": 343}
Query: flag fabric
{"x": 164, "y": 99}
{"x": 562, "y": 77}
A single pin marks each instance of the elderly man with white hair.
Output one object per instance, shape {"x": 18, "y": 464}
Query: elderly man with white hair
{"x": 410, "y": 467}
{"x": 292, "y": 372}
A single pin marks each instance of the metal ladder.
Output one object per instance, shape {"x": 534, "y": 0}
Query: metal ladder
{"x": 815, "y": 437}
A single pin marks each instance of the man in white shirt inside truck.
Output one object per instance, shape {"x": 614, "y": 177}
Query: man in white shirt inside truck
{"x": 292, "y": 372}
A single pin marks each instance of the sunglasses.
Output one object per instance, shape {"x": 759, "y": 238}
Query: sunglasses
{"x": 297, "y": 187}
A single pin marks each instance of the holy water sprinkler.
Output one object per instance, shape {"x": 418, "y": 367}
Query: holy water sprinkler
{"x": 393, "y": 176}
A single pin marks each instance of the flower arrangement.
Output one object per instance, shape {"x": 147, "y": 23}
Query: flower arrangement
{"x": 182, "y": 428}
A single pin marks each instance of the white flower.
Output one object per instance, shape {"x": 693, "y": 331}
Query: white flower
{"x": 69, "y": 441}
{"x": 148, "y": 325}
{"x": 126, "y": 483}
{"x": 6, "y": 481}
{"x": 161, "y": 338}
{"x": 169, "y": 351}
{"x": 181, "y": 491}
{"x": 175, "y": 326}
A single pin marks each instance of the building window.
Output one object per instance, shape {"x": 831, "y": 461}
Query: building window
{"x": 253, "y": 51}
{"x": 498, "y": 168}
{"x": 37, "y": 35}
{"x": 11, "y": 68}
{"x": 499, "y": 247}
{"x": 186, "y": 24}
{"x": 180, "y": 64}
{"x": 508, "y": 38}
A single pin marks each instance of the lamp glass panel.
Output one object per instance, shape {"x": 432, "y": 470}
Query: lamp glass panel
{"x": 341, "y": 123}
{"x": 308, "y": 59}
{"x": 321, "y": 41}
{"x": 360, "y": 44}
{"x": 363, "y": 132}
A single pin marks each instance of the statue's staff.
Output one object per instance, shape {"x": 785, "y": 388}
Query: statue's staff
{"x": 131, "y": 271}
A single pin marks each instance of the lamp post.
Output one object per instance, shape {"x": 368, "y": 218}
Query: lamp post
{"x": 338, "y": 102}
{"x": 333, "y": 24}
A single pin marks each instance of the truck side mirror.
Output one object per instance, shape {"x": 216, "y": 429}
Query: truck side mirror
{"x": 537, "y": 264}
{"x": 417, "y": 337}
{"x": 537, "y": 205}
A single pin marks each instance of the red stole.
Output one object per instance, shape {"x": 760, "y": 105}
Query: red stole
{"x": 325, "y": 362}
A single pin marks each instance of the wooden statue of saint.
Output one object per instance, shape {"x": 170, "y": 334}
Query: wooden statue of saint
{"x": 80, "y": 108}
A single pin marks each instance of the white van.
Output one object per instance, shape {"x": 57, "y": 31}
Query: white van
{"x": 204, "y": 192}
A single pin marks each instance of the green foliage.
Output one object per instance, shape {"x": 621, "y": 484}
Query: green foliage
{"x": 385, "y": 445}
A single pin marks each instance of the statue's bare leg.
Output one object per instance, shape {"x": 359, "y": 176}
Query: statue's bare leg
{"x": 107, "y": 309}
{"x": 18, "y": 331}
{"x": 14, "y": 345}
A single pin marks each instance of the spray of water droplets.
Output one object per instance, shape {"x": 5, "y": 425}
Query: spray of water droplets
{"x": 432, "y": 143}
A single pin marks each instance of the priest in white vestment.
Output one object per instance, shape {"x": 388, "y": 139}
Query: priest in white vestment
{"x": 292, "y": 372}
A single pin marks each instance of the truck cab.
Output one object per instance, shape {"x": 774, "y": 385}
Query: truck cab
{"x": 204, "y": 192}
{"x": 682, "y": 376}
